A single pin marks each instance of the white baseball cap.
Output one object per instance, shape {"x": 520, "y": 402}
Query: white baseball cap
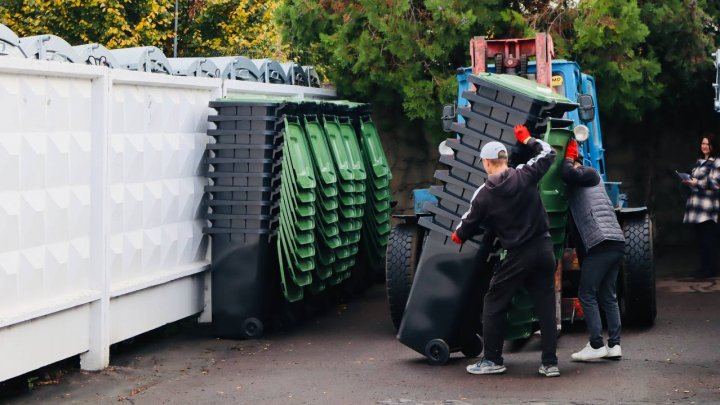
{"x": 491, "y": 150}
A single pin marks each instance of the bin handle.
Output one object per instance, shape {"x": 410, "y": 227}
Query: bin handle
{"x": 426, "y": 223}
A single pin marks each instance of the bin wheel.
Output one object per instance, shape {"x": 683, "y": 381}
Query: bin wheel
{"x": 437, "y": 352}
{"x": 403, "y": 251}
{"x": 473, "y": 348}
{"x": 638, "y": 305}
{"x": 252, "y": 328}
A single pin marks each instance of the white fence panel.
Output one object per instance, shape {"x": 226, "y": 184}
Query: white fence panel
{"x": 157, "y": 138}
{"x": 46, "y": 230}
{"x": 101, "y": 183}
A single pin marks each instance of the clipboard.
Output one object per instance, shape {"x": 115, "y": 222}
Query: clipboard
{"x": 685, "y": 177}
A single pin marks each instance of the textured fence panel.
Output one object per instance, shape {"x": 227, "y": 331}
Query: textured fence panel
{"x": 101, "y": 188}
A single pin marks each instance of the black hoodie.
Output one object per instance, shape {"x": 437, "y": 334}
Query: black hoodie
{"x": 509, "y": 202}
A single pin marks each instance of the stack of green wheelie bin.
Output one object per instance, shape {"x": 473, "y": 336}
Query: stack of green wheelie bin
{"x": 328, "y": 183}
{"x": 345, "y": 153}
{"x": 296, "y": 242}
{"x": 376, "y": 228}
{"x": 377, "y": 195}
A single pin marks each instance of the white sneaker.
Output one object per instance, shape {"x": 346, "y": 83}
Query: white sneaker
{"x": 549, "y": 371}
{"x": 614, "y": 352}
{"x": 485, "y": 367}
{"x": 588, "y": 353}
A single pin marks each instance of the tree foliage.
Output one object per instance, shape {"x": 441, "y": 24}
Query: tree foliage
{"x": 610, "y": 44}
{"x": 643, "y": 53}
{"x": 231, "y": 27}
{"x": 393, "y": 51}
{"x": 646, "y": 55}
{"x": 205, "y": 27}
{"x": 683, "y": 33}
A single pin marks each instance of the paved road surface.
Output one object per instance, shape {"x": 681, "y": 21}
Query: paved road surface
{"x": 349, "y": 355}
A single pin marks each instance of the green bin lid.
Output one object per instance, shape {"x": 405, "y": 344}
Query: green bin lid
{"x": 372, "y": 148}
{"x": 296, "y": 148}
{"x": 524, "y": 86}
{"x": 320, "y": 150}
{"x": 349, "y": 139}
{"x": 299, "y": 268}
{"x": 337, "y": 148}
{"x": 291, "y": 291}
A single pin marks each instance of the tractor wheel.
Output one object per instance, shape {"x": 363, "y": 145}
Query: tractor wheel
{"x": 638, "y": 305}
{"x": 403, "y": 252}
{"x": 437, "y": 352}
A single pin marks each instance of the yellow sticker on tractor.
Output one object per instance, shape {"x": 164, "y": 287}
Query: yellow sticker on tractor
{"x": 556, "y": 81}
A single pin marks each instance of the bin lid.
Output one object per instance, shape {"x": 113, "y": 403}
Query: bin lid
{"x": 294, "y": 74}
{"x": 521, "y": 85}
{"x": 237, "y": 68}
{"x": 49, "y": 47}
{"x": 96, "y": 54}
{"x": 143, "y": 59}
{"x": 321, "y": 153}
{"x": 198, "y": 67}
{"x": 9, "y": 43}
{"x": 270, "y": 71}
{"x": 373, "y": 151}
{"x": 312, "y": 76}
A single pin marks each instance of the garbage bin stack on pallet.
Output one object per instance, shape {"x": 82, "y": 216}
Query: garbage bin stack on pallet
{"x": 318, "y": 197}
{"x": 498, "y": 103}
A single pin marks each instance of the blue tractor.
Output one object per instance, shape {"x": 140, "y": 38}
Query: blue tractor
{"x": 636, "y": 281}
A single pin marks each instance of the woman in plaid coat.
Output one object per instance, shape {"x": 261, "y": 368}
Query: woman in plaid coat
{"x": 703, "y": 205}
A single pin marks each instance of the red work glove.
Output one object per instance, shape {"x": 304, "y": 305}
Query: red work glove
{"x": 572, "y": 150}
{"x": 455, "y": 238}
{"x": 521, "y": 133}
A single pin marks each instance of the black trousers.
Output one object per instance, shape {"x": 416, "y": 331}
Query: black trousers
{"x": 532, "y": 265}
{"x": 707, "y": 237}
{"x": 598, "y": 291}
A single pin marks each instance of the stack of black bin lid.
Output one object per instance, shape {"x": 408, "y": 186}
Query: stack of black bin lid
{"x": 244, "y": 157}
{"x": 497, "y": 105}
{"x": 492, "y": 114}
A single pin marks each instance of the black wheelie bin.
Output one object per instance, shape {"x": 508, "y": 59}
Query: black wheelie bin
{"x": 444, "y": 308}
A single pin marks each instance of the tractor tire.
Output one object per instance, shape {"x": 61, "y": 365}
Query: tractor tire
{"x": 403, "y": 252}
{"x": 638, "y": 305}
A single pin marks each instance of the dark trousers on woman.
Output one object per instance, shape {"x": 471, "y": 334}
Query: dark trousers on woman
{"x": 598, "y": 278}
{"x": 707, "y": 238}
{"x": 532, "y": 265}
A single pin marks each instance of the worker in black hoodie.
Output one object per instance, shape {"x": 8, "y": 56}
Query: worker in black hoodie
{"x": 509, "y": 204}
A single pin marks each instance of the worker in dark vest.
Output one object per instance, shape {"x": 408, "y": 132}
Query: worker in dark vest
{"x": 509, "y": 205}
{"x": 600, "y": 246}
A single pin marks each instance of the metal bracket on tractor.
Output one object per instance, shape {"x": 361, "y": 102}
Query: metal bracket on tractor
{"x": 512, "y": 56}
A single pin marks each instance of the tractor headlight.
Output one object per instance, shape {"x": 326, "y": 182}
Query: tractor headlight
{"x": 582, "y": 133}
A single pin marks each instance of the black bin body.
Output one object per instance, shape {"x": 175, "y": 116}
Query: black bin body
{"x": 242, "y": 265}
{"x": 446, "y": 298}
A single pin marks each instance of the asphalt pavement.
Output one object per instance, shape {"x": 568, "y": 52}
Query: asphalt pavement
{"x": 349, "y": 355}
